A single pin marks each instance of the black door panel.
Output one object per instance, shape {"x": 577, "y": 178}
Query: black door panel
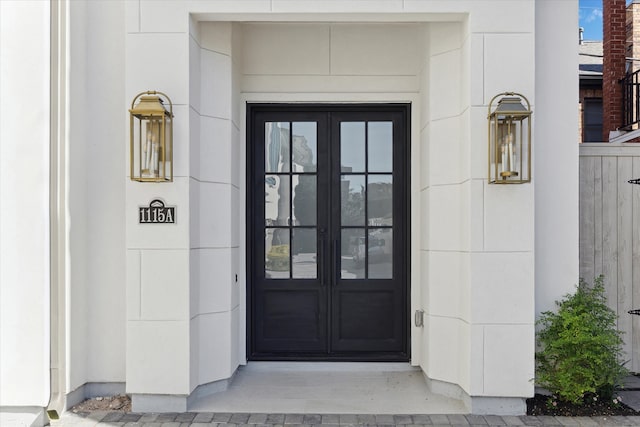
{"x": 328, "y": 238}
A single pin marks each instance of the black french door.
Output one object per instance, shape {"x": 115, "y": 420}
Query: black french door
{"x": 328, "y": 233}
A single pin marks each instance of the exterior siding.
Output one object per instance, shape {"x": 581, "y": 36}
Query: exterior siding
{"x": 610, "y": 232}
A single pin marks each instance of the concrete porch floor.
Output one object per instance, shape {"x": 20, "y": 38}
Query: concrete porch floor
{"x": 329, "y": 388}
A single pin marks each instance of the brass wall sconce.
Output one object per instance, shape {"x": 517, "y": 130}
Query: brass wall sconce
{"x": 151, "y": 138}
{"x": 509, "y": 139}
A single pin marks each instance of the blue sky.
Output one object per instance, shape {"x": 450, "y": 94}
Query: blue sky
{"x": 591, "y": 19}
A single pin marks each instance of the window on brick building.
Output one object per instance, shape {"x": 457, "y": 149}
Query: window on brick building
{"x": 592, "y": 120}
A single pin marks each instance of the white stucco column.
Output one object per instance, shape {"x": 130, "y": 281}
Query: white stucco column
{"x": 158, "y": 269}
{"x": 24, "y": 202}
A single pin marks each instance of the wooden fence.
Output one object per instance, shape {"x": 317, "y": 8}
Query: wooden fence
{"x": 610, "y": 232}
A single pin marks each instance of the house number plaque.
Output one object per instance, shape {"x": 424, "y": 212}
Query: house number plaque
{"x": 157, "y": 213}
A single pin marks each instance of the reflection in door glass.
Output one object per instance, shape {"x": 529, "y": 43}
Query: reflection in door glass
{"x": 380, "y": 200}
{"x": 304, "y": 254}
{"x": 276, "y": 200}
{"x": 276, "y": 251}
{"x": 380, "y": 253}
{"x": 352, "y": 197}
{"x": 276, "y": 142}
{"x": 380, "y": 146}
{"x": 304, "y": 199}
{"x": 352, "y": 147}
{"x": 352, "y": 253}
{"x": 305, "y": 156}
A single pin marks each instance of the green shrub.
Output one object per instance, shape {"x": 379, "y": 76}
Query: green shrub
{"x": 580, "y": 347}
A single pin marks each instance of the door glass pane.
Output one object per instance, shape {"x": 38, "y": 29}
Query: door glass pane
{"x": 276, "y": 142}
{"x": 352, "y": 196}
{"x": 380, "y": 146}
{"x": 352, "y": 253}
{"x": 380, "y": 253}
{"x": 276, "y": 250}
{"x": 304, "y": 253}
{"x": 304, "y": 199}
{"x": 380, "y": 200}
{"x": 304, "y": 146}
{"x": 352, "y": 147}
{"x": 276, "y": 200}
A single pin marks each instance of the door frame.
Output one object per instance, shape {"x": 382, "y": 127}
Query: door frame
{"x": 249, "y": 110}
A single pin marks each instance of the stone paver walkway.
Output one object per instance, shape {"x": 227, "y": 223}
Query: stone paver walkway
{"x": 208, "y": 419}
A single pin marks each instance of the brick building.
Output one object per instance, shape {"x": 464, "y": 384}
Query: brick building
{"x": 590, "y": 103}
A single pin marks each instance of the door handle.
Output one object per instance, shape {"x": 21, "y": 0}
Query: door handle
{"x": 338, "y": 258}
{"x": 322, "y": 256}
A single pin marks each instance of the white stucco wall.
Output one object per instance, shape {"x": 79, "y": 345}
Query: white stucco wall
{"x": 477, "y": 239}
{"x": 467, "y": 227}
{"x": 95, "y": 195}
{"x": 24, "y": 203}
{"x": 105, "y": 188}
{"x": 470, "y": 228}
{"x": 184, "y": 307}
{"x": 556, "y": 200}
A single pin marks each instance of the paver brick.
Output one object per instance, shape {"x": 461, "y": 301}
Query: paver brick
{"x": 167, "y": 417}
{"x": 548, "y": 420}
{"x": 530, "y": 420}
{"x": 293, "y": 418}
{"x": 494, "y": 420}
{"x": 568, "y": 421}
{"x": 330, "y": 419}
{"x": 221, "y": 417}
{"x": 239, "y": 418}
{"x": 257, "y": 419}
{"x": 439, "y": 419}
{"x": 148, "y": 418}
{"x": 275, "y": 419}
{"x": 203, "y": 417}
{"x": 112, "y": 417}
{"x": 586, "y": 421}
{"x": 348, "y": 419}
{"x": 512, "y": 420}
{"x": 458, "y": 420}
{"x": 130, "y": 417}
{"x": 476, "y": 419}
{"x": 366, "y": 419}
{"x": 97, "y": 415}
{"x": 421, "y": 419}
{"x": 312, "y": 419}
{"x": 202, "y": 424}
{"x": 402, "y": 419}
{"x": 185, "y": 417}
{"x": 384, "y": 419}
